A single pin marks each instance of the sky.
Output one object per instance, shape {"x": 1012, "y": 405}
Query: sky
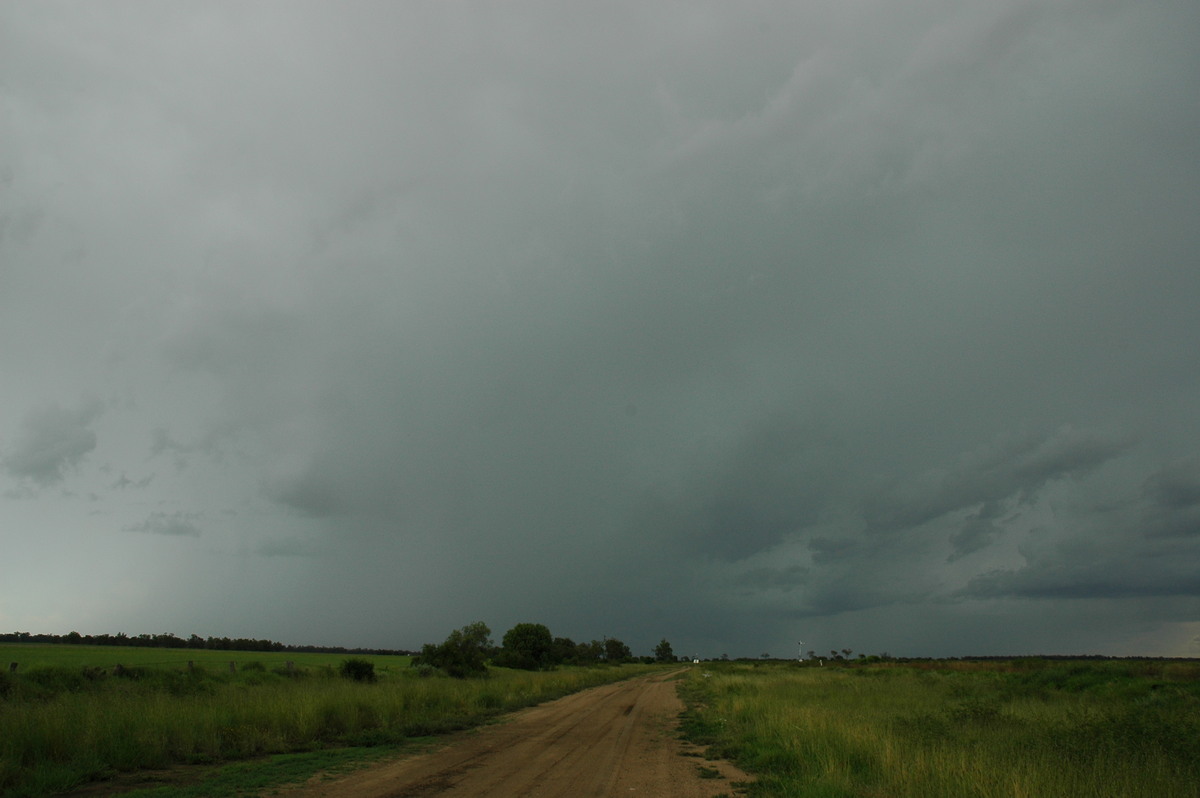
{"x": 762, "y": 327}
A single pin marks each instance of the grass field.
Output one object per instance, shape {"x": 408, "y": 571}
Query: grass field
{"x": 1020, "y": 729}
{"x": 68, "y": 716}
{"x": 30, "y": 657}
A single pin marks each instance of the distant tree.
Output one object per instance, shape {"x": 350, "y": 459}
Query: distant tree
{"x": 616, "y": 652}
{"x": 588, "y": 653}
{"x": 528, "y": 646}
{"x": 563, "y": 650}
{"x": 464, "y": 652}
{"x": 847, "y": 652}
{"x": 663, "y": 652}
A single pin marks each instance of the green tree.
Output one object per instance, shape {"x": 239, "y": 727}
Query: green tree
{"x": 528, "y": 646}
{"x": 616, "y": 652}
{"x": 464, "y": 652}
{"x": 663, "y": 652}
{"x": 564, "y": 650}
{"x": 588, "y": 653}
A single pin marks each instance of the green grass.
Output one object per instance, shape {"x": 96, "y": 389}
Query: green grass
{"x": 955, "y": 730}
{"x": 63, "y": 725}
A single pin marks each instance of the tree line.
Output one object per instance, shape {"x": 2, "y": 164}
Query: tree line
{"x": 168, "y": 640}
{"x": 527, "y": 646}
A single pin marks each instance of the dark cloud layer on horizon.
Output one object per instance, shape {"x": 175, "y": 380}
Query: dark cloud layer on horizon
{"x": 845, "y": 322}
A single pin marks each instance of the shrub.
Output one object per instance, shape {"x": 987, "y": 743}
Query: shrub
{"x": 464, "y": 652}
{"x": 360, "y": 670}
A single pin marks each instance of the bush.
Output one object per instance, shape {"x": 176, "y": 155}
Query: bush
{"x": 360, "y": 670}
{"x": 464, "y": 652}
{"x": 527, "y": 646}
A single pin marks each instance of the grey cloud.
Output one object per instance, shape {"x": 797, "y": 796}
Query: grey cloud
{"x": 284, "y": 547}
{"x": 52, "y": 441}
{"x": 1011, "y": 468}
{"x": 176, "y": 524}
{"x": 827, "y": 549}
{"x": 746, "y": 497}
{"x": 1175, "y": 486}
{"x": 689, "y": 316}
{"x": 311, "y": 493}
{"x": 123, "y": 482}
{"x": 784, "y": 578}
{"x": 978, "y": 530}
{"x": 1138, "y": 545}
{"x": 1170, "y": 501}
{"x": 1109, "y": 576}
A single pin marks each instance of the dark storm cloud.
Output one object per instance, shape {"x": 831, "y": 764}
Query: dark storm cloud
{"x": 746, "y": 496}
{"x": 828, "y": 549}
{"x": 978, "y": 530}
{"x": 1144, "y": 544}
{"x": 626, "y": 319}
{"x": 1011, "y": 468}
{"x": 52, "y": 441}
{"x": 1081, "y": 572}
{"x": 1173, "y": 492}
{"x": 786, "y": 578}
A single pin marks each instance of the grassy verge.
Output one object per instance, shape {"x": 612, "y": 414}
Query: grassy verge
{"x": 254, "y": 777}
{"x": 39, "y": 656}
{"x": 61, "y": 727}
{"x": 1012, "y": 730}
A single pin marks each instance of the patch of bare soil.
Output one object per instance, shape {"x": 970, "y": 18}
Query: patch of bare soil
{"x": 617, "y": 739}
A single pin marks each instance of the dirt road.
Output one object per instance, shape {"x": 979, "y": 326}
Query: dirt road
{"x": 617, "y": 739}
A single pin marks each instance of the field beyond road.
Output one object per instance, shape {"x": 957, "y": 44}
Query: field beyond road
{"x": 1023, "y": 728}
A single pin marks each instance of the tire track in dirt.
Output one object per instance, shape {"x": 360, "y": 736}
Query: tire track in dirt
{"x": 616, "y": 739}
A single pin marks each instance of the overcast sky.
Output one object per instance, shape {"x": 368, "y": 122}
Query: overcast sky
{"x": 864, "y": 323}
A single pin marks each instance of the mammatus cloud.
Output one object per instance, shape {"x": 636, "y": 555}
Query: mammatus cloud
{"x": 52, "y": 441}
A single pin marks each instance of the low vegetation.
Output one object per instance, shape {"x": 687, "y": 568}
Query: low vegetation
{"x": 466, "y": 652}
{"x": 1014, "y": 729}
{"x": 74, "y": 714}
